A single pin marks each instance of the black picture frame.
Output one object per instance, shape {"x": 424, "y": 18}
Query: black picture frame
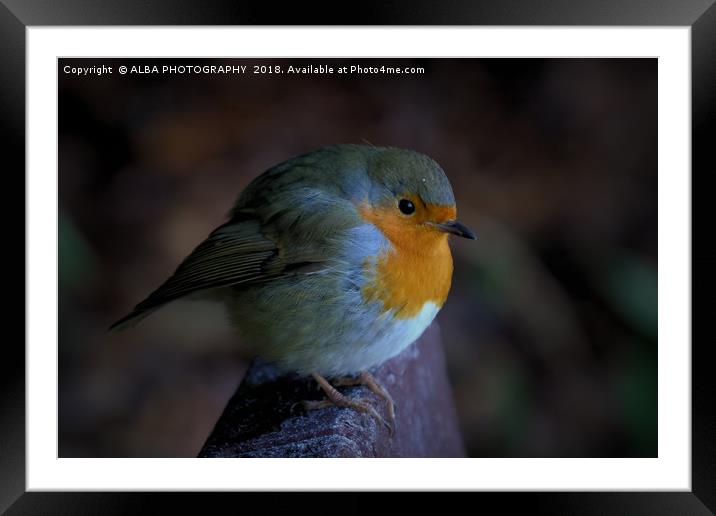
{"x": 17, "y": 15}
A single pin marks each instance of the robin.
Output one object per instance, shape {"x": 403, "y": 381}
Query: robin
{"x": 330, "y": 264}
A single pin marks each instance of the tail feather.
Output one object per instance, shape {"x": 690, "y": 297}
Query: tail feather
{"x": 131, "y": 319}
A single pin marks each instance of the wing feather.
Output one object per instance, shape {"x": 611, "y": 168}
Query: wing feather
{"x": 300, "y": 203}
{"x": 233, "y": 254}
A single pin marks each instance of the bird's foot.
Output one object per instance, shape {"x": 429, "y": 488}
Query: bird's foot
{"x": 335, "y": 398}
{"x": 367, "y": 379}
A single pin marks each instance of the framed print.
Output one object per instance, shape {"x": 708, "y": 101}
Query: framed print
{"x": 564, "y": 364}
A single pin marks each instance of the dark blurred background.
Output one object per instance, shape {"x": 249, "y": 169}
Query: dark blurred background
{"x": 550, "y": 329}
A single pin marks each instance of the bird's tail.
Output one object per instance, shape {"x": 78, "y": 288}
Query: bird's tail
{"x": 131, "y": 319}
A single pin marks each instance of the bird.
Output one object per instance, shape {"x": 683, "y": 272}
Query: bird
{"x": 330, "y": 263}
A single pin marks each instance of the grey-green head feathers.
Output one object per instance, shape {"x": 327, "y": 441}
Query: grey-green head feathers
{"x": 395, "y": 172}
{"x": 355, "y": 173}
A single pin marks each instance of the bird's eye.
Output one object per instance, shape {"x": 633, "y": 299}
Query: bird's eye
{"x": 406, "y": 206}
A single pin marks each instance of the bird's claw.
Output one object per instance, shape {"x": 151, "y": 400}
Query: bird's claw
{"x": 360, "y": 405}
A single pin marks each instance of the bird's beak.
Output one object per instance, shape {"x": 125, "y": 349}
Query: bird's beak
{"x": 456, "y": 228}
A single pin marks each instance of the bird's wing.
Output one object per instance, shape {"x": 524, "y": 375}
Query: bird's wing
{"x": 235, "y": 253}
{"x": 282, "y": 225}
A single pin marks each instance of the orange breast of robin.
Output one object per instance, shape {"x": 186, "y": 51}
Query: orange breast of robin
{"x": 418, "y": 268}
